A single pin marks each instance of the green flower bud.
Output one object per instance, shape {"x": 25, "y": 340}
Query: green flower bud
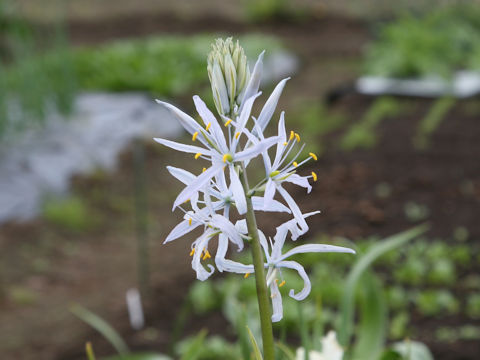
{"x": 229, "y": 75}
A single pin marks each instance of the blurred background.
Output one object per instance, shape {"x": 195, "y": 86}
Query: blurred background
{"x": 386, "y": 93}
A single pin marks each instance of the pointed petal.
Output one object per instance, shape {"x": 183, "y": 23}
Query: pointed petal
{"x": 181, "y": 229}
{"x": 254, "y": 82}
{"x": 237, "y": 191}
{"x": 301, "y": 271}
{"x": 257, "y": 149}
{"x": 269, "y": 107}
{"x": 221, "y": 251}
{"x": 228, "y": 229}
{"x": 183, "y": 147}
{"x": 184, "y": 176}
{"x": 208, "y": 118}
{"x": 201, "y": 180}
{"x": 283, "y": 138}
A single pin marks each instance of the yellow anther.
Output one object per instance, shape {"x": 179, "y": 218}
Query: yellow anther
{"x": 282, "y": 283}
{"x": 190, "y": 221}
{"x": 274, "y": 173}
{"x": 295, "y": 164}
{"x": 237, "y": 135}
{"x": 227, "y": 157}
{"x": 192, "y": 252}
{"x": 314, "y": 175}
{"x": 197, "y": 155}
{"x": 276, "y": 281}
{"x": 313, "y": 156}
{"x": 208, "y": 126}
{"x": 285, "y": 143}
{"x": 246, "y": 275}
{"x": 204, "y": 169}
{"x": 207, "y": 255}
{"x": 292, "y": 135}
{"x": 228, "y": 122}
{"x": 194, "y": 136}
{"x": 297, "y": 137}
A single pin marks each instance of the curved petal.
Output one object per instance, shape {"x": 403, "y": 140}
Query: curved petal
{"x": 201, "y": 244}
{"x": 300, "y": 181}
{"x": 283, "y": 138}
{"x": 309, "y": 248}
{"x": 295, "y": 211}
{"x": 221, "y": 252}
{"x": 256, "y": 149}
{"x": 307, "y": 286}
{"x": 228, "y": 229}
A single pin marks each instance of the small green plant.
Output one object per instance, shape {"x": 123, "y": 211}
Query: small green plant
{"x": 362, "y": 134}
{"x": 71, "y": 214}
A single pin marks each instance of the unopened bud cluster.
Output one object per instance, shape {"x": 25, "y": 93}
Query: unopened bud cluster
{"x": 229, "y": 74}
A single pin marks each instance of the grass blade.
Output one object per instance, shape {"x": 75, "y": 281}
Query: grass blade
{"x": 102, "y": 327}
{"x": 256, "y": 350}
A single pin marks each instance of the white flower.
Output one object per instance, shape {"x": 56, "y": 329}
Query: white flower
{"x": 331, "y": 349}
{"x": 275, "y": 261}
{"x": 220, "y": 153}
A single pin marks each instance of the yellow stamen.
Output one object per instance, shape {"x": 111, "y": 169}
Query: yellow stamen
{"x": 295, "y": 164}
{"x": 192, "y": 252}
{"x": 297, "y": 137}
{"x": 246, "y": 275}
{"x": 207, "y": 255}
{"x": 204, "y": 169}
{"x": 313, "y": 156}
{"x": 237, "y": 135}
{"x": 190, "y": 221}
{"x": 285, "y": 143}
{"x": 208, "y": 126}
{"x": 227, "y": 157}
{"x": 282, "y": 283}
{"x": 314, "y": 175}
{"x": 197, "y": 155}
{"x": 228, "y": 122}
{"x": 292, "y": 135}
{"x": 194, "y": 137}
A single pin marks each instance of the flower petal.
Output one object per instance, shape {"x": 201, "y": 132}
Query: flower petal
{"x": 277, "y": 305}
{"x": 258, "y": 203}
{"x": 228, "y": 229}
{"x": 254, "y": 82}
{"x": 181, "y": 229}
{"x": 208, "y": 118}
{"x": 269, "y": 193}
{"x": 237, "y": 191}
{"x": 300, "y": 181}
{"x": 256, "y": 149}
{"x": 295, "y": 211}
{"x": 184, "y": 176}
{"x": 310, "y": 248}
{"x": 269, "y": 107}
{"x": 201, "y": 180}
{"x": 307, "y": 286}
{"x": 183, "y": 147}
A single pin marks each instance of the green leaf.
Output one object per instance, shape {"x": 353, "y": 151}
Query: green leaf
{"x": 102, "y": 327}
{"x": 373, "y": 319}
{"x": 286, "y": 351}
{"x": 348, "y": 299}
{"x": 256, "y": 350}
{"x": 194, "y": 348}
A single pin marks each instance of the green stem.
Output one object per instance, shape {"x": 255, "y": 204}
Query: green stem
{"x": 258, "y": 264}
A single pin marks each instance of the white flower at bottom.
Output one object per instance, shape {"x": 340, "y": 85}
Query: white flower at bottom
{"x": 331, "y": 349}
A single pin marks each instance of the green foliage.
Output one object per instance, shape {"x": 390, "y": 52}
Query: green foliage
{"x": 70, "y": 214}
{"x": 473, "y": 305}
{"x": 362, "y": 133}
{"x": 438, "y": 43}
{"x": 201, "y": 347}
{"x": 315, "y": 121}
{"x": 102, "y": 327}
{"x": 437, "y": 302}
{"x": 267, "y": 10}
{"x": 432, "y": 120}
